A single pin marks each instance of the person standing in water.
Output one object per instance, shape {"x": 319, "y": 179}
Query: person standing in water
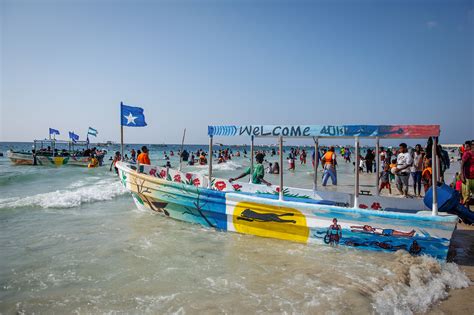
{"x": 258, "y": 172}
{"x": 143, "y": 157}
{"x": 329, "y": 164}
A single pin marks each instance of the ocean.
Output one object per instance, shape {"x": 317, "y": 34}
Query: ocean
{"x": 72, "y": 241}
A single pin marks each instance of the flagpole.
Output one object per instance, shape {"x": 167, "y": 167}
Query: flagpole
{"x": 121, "y": 129}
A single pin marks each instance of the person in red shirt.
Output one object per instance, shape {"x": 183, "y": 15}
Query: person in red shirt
{"x": 143, "y": 157}
{"x": 467, "y": 172}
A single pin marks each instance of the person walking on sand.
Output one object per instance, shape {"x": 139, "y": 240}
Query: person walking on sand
{"x": 402, "y": 172}
{"x": 329, "y": 164}
{"x": 385, "y": 179}
{"x": 416, "y": 170}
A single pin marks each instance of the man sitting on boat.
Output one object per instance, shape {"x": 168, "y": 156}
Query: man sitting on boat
{"x": 258, "y": 172}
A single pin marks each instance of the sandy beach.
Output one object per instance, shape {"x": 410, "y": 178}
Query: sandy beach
{"x": 460, "y": 301}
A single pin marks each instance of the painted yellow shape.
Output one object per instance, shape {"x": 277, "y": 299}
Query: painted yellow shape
{"x": 58, "y": 160}
{"x": 262, "y": 220}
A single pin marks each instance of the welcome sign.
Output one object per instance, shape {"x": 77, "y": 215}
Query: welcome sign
{"x": 296, "y": 131}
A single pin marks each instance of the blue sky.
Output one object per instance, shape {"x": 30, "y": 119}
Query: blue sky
{"x": 69, "y": 64}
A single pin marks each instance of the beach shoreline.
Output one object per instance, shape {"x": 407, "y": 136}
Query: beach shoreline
{"x": 460, "y": 301}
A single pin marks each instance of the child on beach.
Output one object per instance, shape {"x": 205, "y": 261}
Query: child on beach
{"x": 392, "y": 165}
{"x": 426, "y": 176}
{"x": 385, "y": 179}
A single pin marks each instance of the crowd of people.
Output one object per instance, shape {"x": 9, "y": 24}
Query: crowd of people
{"x": 397, "y": 165}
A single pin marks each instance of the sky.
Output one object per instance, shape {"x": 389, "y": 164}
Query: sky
{"x": 68, "y": 65}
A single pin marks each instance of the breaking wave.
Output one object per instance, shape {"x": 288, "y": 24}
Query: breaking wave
{"x": 76, "y": 195}
{"x": 416, "y": 284}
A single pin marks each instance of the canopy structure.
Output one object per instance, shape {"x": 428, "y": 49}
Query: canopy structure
{"x": 328, "y": 131}
{"x": 317, "y": 132}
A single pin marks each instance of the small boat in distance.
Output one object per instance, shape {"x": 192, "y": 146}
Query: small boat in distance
{"x": 56, "y": 153}
{"x": 302, "y": 215}
{"x": 105, "y": 144}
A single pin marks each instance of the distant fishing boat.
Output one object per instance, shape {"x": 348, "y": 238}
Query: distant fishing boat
{"x": 49, "y": 153}
{"x": 301, "y": 215}
{"x": 105, "y": 144}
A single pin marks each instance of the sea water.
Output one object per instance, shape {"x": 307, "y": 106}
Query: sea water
{"x": 72, "y": 241}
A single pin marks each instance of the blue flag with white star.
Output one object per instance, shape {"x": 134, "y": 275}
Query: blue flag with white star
{"x": 132, "y": 116}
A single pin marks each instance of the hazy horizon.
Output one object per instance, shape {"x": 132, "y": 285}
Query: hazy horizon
{"x": 68, "y": 65}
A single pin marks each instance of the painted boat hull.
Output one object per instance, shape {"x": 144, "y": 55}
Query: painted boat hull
{"x": 20, "y": 158}
{"x": 305, "y": 220}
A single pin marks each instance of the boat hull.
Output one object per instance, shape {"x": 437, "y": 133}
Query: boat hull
{"x": 20, "y": 158}
{"x": 184, "y": 197}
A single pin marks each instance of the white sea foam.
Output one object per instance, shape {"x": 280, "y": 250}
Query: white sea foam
{"x": 417, "y": 284}
{"x": 227, "y": 166}
{"x": 68, "y": 198}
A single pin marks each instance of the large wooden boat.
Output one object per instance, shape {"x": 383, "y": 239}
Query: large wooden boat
{"x": 301, "y": 215}
{"x": 48, "y": 153}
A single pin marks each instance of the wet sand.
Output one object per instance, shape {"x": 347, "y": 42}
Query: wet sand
{"x": 460, "y": 301}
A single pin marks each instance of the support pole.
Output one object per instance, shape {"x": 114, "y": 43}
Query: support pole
{"x": 181, "y": 154}
{"x": 121, "y": 130}
{"x": 209, "y": 184}
{"x": 377, "y": 165}
{"x": 251, "y": 156}
{"x": 281, "y": 167}
{"x": 316, "y": 162}
{"x": 356, "y": 174}
{"x": 434, "y": 177}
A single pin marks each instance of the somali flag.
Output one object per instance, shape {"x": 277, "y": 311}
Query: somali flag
{"x": 73, "y": 136}
{"x": 132, "y": 116}
{"x": 92, "y": 132}
{"x": 53, "y": 131}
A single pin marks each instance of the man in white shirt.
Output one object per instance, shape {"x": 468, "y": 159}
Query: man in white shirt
{"x": 404, "y": 162}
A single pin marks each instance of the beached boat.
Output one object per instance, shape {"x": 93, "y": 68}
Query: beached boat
{"x": 53, "y": 153}
{"x": 300, "y": 215}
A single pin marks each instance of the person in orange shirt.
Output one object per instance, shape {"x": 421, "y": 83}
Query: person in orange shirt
{"x": 143, "y": 157}
{"x": 426, "y": 178}
{"x": 329, "y": 164}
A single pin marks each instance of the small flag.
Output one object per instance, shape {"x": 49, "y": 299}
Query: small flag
{"x": 92, "y": 132}
{"x": 73, "y": 136}
{"x": 53, "y": 131}
{"x": 132, "y": 116}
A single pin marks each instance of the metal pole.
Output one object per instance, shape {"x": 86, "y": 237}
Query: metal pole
{"x": 181, "y": 154}
{"x": 356, "y": 174}
{"x": 121, "y": 130}
{"x": 281, "y": 168}
{"x": 434, "y": 177}
{"x": 209, "y": 184}
{"x": 316, "y": 162}
{"x": 377, "y": 165}
{"x": 251, "y": 157}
